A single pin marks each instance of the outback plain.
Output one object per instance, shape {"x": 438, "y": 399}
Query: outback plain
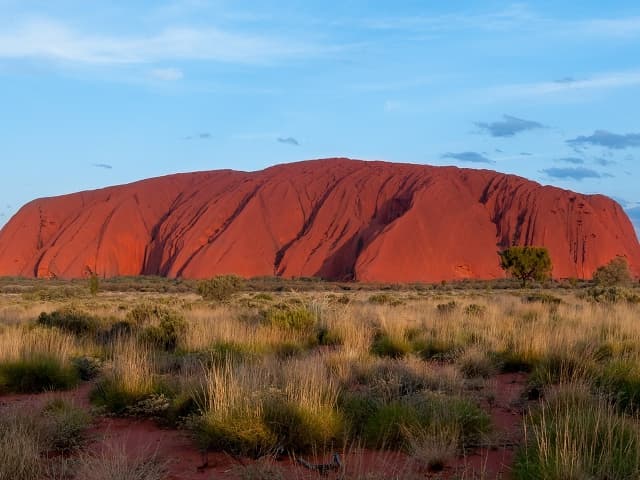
{"x": 149, "y": 378}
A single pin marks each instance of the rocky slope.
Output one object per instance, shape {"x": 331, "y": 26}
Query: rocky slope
{"x": 335, "y": 218}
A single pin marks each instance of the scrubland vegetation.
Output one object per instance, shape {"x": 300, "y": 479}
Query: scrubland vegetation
{"x": 284, "y": 372}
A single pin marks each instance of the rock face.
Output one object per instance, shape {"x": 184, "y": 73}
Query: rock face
{"x": 337, "y": 219}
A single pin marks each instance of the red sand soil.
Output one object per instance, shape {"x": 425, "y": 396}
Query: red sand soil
{"x": 337, "y": 219}
{"x": 141, "y": 438}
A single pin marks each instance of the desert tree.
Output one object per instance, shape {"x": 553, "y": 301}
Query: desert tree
{"x": 526, "y": 263}
{"x": 616, "y": 272}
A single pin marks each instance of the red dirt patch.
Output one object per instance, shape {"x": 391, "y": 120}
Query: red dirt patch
{"x": 184, "y": 461}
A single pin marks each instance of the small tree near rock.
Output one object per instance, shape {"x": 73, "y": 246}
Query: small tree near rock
{"x": 526, "y": 263}
{"x": 94, "y": 284}
{"x": 616, "y": 272}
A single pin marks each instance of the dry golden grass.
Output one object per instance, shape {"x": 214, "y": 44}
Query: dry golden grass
{"x": 259, "y": 385}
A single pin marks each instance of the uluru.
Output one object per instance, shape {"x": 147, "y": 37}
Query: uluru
{"x": 336, "y": 219}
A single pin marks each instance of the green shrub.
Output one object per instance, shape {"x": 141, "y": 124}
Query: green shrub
{"x": 357, "y": 408}
{"x": 327, "y": 337}
{"x": 390, "y": 425}
{"x": 236, "y": 434}
{"x": 509, "y": 361}
{"x": 298, "y": 428}
{"x": 37, "y": 374}
{"x": 611, "y": 294}
{"x": 220, "y": 288}
{"x": 263, "y": 296}
{"x": 94, "y": 284}
{"x": 447, "y": 308}
{"x": 384, "y": 345}
{"x": 616, "y": 272}
{"x": 436, "y": 349}
{"x": 543, "y": 298}
{"x": 70, "y": 320}
{"x": 167, "y": 333}
{"x": 475, "y": 310}
{"x": 475, "y": 363}
{"x": 384, "y": 299}
{"x": 87, "y": 367}
{"x": 221, "y": 352}
{"x": 289, "y": 317}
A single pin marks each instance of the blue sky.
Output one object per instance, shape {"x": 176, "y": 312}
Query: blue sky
{"x": 104, "y": 92}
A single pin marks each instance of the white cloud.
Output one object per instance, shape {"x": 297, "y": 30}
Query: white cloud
{"x": 167, "y": 74}
{"x": 52, "y": 40}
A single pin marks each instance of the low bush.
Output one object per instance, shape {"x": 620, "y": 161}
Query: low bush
{"x": 220, "y": 288}
{"x": 475, "y": 310}
{"x": 475, "y": 363}
{"x": 289, "y": 317}
{"x": 447, "y": 308}
{"x": 325, "y": 336}
{"x": 385, "y": 345}
{"x": 384, "y": 299}
{"x": 167, "y": 333}
{"x": 437, "y": 349}
{"x": 71, "y": 320}
{"x": 543, "y": 298}
{"x": 35, "y": 374}
{"x": 87, "y": 367}
{"x": 616, "y": 272}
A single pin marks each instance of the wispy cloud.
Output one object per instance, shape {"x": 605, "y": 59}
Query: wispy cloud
{"x": 574, "y": 160}
{"x": 288, "y": 141}
{"x": 603, "y": 138}
{"x": 199, "y": 136}
{"x": 605, "y": 162}
{"x": 106, "y": 166}
{"x": 572, "y": 173}
{"x": 608, "y": 80}
{"x": 508, "y": 126}
{"x": 53, "y": 40}
{"x": 471, "y": 157}
{"x": 167, "y": 74}
{"x": 510, "y": 17}
{"x": 517, "y": 16}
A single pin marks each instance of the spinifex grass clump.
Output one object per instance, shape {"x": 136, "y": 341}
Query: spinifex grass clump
{"x": 577, "y": 436}
{"x": 30, "y": 441}
{"x": 390, "y": 424}
{"x": 36, "y": 360}
{"x": 232, "y": 410}
{"x": 20, "y": 447}
{"x": 255, "y": 409}
{"x": 128, "y": 378}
